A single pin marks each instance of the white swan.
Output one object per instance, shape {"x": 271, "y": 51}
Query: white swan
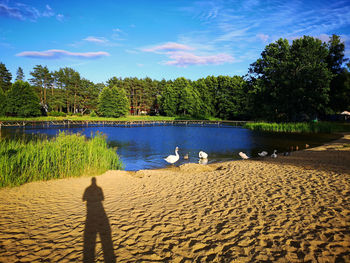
{"x": 203, "y": 161}
{"x": 243, "y": 155}
{"x": 203, "y": 155}
{"x": 263, "y": 154}
{"x": 274, "y": 155}
{"x": 173, "y": 158}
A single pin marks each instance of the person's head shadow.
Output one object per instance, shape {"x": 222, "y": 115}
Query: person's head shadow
{"x": 96, "y": 222}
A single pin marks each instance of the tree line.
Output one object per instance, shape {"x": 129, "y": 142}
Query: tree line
{"x": 303, "y": 80}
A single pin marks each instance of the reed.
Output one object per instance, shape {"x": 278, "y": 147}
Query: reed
{"x": 300, "y": 127}
{"x": 66, "y": 155}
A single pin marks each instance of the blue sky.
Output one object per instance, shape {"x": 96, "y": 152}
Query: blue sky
{"x": 158, "y": 39}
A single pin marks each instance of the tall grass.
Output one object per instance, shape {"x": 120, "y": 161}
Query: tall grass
{"x": 300, "y": 127}
{"x": 66, "y": 155}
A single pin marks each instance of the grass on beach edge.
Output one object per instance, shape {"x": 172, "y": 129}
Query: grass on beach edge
{"x": 66, "y": 155}
{"x": 300, "y": 127}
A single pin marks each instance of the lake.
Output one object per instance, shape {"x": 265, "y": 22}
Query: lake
{"x": 145, "y": 147}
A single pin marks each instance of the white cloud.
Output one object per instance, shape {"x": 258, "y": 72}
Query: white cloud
{"x": 184, "y": 59}
{"x": 100, "y": 40}
{"x": 58, "y": 54}
{"x": 264, "y": 38}
{"x": 26, "y": 12}
{"x": 167, "y": 47}
{"x": 60, "y": 17}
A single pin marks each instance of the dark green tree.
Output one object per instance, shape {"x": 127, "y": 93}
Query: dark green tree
{"x": 289, "y": 82}
{"x": 42, "y": 80}
{"x": 189, "y": 102}
{"x": 2, "y": 103}
{"x": 340, "y": 99}
{"x": 231, "y": 97}
{"x": 19, "y": 74}
{"x": 336, "y": 51}
{"x": 168, "y": 101}
{"x": 5, "y": 78}
{"x": 22, "y": 101}
{"x": 207, "y": 107}
{"x": 338, "y": 87}
{"x": 310, "y": 77}
{"x": 122, "y": 103}
{"x": 107, "y": 103}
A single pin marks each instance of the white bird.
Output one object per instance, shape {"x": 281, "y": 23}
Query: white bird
{"x": 173, "y": 158}
{"x": 203, "y": 161}
{"x": 263, "y": 154}
{"x": 274, "y": 155}
{"x": 243, "y": 155}
{"x": 203, "y": 155}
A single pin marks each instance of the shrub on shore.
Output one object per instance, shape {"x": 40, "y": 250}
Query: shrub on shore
{"x": 300, "y": 127}
{"x": 66, "y": 155}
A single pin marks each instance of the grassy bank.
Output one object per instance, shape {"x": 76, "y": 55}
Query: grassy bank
{"x": 88, "y": 118}
{"x": 66, "y": 155}
{"x": 301, "y": 127}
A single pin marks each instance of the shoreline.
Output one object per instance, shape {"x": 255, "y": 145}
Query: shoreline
{"x": 289, "y": 209}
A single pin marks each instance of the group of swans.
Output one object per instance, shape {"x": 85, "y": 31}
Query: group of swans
{"x": 174, "y": 158}
{"x": 262, "y": 154}
{"x": 203, "y": 156}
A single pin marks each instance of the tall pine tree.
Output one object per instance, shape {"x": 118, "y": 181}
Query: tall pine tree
{"x": 5, "y": 78}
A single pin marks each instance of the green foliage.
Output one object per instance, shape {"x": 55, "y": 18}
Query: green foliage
{"x": 5, "y": 78}
{"x": 288, "y": 82}
{"x": 113, "y": 102}
{"x": 122, "y": 102}
{"x": 20, "y": 74}
{"x": 189, "y": 101}
{"x": 335, "y": 57}
{"x": 63, "y": 156}
{"x": 206, "y": 99}
{"x": 93, "y": 114}
{"x": 2, "y": 103}
{"x": 107, "y": 103}
{"x": 301, "y": 127}
{"x": 56, "y": 114}
{"x": 230, "y": 98}
{"x": 22, "y": 100}
{"x": 169, "y": 101}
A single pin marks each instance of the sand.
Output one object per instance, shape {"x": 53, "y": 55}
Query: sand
{"x": 290, "y": 209}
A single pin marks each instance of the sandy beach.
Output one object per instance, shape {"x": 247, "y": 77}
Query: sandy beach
{"x": 289, "y": 209}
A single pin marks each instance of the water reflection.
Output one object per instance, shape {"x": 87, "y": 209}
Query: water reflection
{"x": 145, "y": 147}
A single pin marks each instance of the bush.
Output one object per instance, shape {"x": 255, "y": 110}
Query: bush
{"x": 299, "y": 127}
{"x": 22, "y": 101}
{"x": 93, "y": 114}
{"x": 56, "y": 114}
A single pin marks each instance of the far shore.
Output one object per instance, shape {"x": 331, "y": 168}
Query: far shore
{"x": 289, "y": 209}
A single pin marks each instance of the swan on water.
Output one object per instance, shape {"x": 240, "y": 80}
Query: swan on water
{"x": 243, "y": 155}
{"x": 203, "y": 155}
{"x": 173, "y": 158}
{"x": 262, "y": 154}
{"x": 274, "y": 155}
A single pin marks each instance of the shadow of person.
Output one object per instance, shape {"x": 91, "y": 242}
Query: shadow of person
{"x": 96, "y": 222}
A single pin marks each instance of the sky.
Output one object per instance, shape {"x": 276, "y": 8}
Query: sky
{"x": 158, "y": 39}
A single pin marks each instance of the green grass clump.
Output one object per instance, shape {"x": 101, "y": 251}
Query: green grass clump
{"x": 300, "y": 127}
{"x": 66, "y": 155}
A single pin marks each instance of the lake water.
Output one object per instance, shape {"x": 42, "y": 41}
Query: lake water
{"x": 145, "y": 147}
